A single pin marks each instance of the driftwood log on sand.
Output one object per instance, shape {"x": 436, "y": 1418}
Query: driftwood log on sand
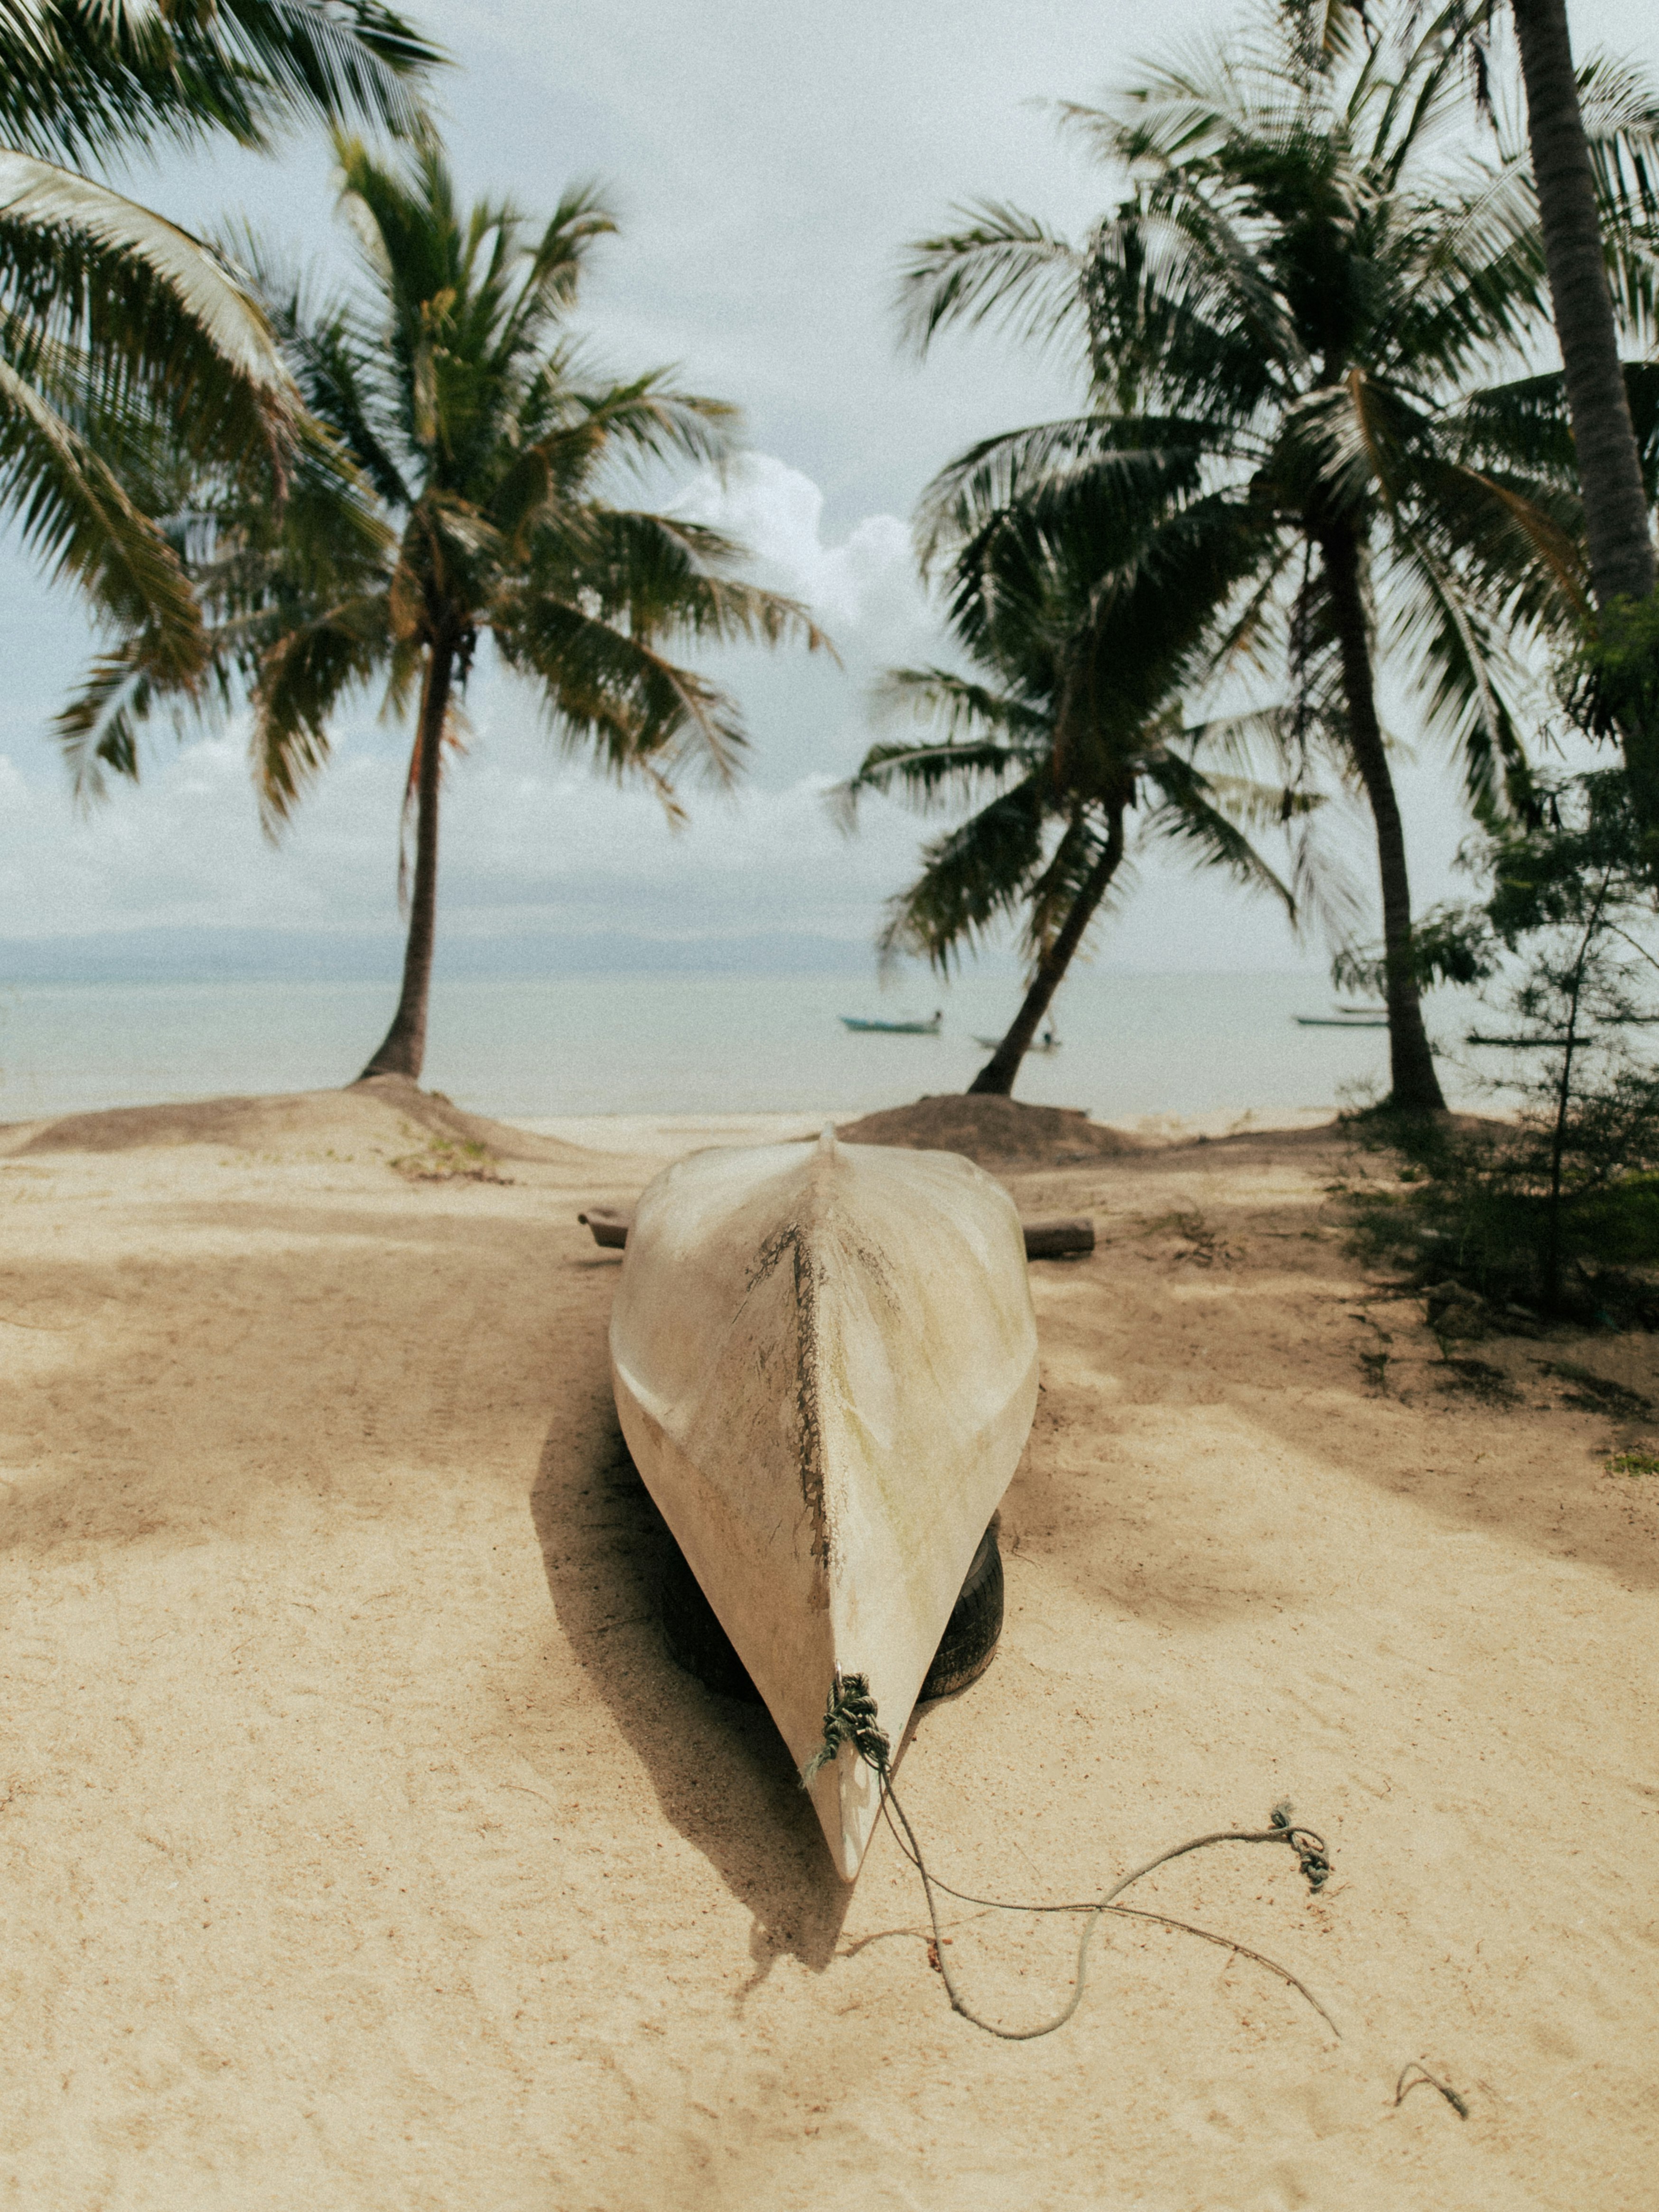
{"x": 1056, "y": 1237}
{"x": 1059, "y": 1235}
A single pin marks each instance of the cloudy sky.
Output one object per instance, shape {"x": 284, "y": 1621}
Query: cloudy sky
{"x": 768, "y": 160}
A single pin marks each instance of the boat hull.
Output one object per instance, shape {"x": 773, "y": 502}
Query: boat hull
{"x": 824, "y": 1360}
{"x": 891, "y": 1029}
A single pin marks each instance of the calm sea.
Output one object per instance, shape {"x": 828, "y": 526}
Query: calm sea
{"x": 1134, "y": 1046}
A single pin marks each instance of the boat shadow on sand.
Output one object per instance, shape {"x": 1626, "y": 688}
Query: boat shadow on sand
{"x": 719, "y": 1770}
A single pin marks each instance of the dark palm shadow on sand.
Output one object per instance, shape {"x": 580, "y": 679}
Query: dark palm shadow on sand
{"x": 720, "y": 1769}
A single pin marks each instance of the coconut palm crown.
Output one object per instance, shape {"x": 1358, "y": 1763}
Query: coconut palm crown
{"x": 1283, "y": 324}
{"x": 1585, "y": 172}
{"x": 115, "y": 320}
{"x": 454, "y": 483}
{"x": 1082, "y": 628}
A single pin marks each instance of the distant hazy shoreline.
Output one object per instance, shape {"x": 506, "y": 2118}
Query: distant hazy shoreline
{"x": 1193, "y": 1050}
{"x": 270, "y": 956}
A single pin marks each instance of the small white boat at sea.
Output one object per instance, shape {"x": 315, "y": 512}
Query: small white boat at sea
{"x": 931, "y": 1027}
{"x": 824, "y": 1359}
{"x": 1345, "y": 1018}
{"x": 1046, "y": 1041}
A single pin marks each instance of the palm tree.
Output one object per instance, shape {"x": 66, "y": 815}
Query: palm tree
{"x": 1565, "y": 162}
{"x": 454, "y": 485}
{"x": 1282, "y": 323}
{"x": 1579, "y": 168}
{"x": 111, "y": 317}
{"x": 1081, "y": 636}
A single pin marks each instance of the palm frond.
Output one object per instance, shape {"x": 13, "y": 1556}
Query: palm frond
{"x": 1003, "y": 268}
{"x": 1129, "y": 465}
{"x": 335, "y": 359}
{"x": 304, "y": 675}
{"x": 1187, "y": 817}
{"x": 1470, "y": 277}
{"x": 1184, "y": 312}
{"x": 1053, "y": 897}
{"x": 1619, "y": 103}
{"x": 658, "y": 575}
{"x": 149, "y": 314}
{"x": 1522, "y": 423}
{"x": 1246, "y": 743}
{"x": 600, "y": 688}
{"x": 1642, "y": 386}
{"x": 81, "y": 81}
{"x": 99, "y": 730}
{"x": 925, "y": 777}
{"x": 1460, "y": 671}
{"x": 644, "y": 423}
{"x": 976, "y": 876}
{"x": 553, "y": 271}
{"x": 957, "y": 704}
{"x": 73, "y": 514}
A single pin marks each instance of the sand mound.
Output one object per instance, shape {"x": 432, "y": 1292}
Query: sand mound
{"x": 994, "y": 1132}
{"x": 388, "y": 1110}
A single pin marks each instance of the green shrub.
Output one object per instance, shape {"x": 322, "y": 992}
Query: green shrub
{"x": 1556, "y": 1210}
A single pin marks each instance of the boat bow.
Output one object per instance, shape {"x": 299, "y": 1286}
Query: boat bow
{"x": 824, "y": 1359}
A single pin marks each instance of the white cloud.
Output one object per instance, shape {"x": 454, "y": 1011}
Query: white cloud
{"x": 561, "y": 850}
{"x": 184, "y": 850}
{"x": 864, "y": 591}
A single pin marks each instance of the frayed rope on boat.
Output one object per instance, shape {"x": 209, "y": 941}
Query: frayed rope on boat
{"x": 850, "y": 1718}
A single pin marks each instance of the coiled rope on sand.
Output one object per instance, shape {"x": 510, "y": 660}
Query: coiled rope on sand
{"x": 850, "y": 1718}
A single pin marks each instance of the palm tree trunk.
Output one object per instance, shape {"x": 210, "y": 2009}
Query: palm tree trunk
{"x": 1563, "y": 1098}
{"x": 1616, "y": 524}
{"x": 998, "y": 1074}
{"x": 1609, "y": 466}
{"x": 404, "y": 1050}
{"x": 1414, "y": 1085}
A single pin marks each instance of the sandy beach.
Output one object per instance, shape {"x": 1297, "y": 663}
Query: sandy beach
{"x": 364, "y": 1852}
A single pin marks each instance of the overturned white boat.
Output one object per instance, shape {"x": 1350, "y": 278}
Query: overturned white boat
{"x": 824, "y": 1359}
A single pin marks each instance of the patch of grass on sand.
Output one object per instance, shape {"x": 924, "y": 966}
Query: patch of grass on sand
{"x": 448, "y": 1159}
{"x": 1198, "y": 1241}
{"x": 1633, "y": 1462}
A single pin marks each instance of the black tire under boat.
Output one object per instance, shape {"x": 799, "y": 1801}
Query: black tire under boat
{"x": 697, "y": 1643}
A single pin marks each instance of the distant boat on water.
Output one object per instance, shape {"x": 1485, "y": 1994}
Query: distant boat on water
{"x": 1047, "y": 1042}
{"x": 1345, "y": 1018}
{"x": 929, "y": 1028}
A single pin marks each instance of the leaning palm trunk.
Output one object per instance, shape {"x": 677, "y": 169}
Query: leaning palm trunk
{"x": 404, "y": 1050}
{"x": 997, "y": 1075}
{"x": 1414, "y": 1084}
{"x": 1621, "y": 556}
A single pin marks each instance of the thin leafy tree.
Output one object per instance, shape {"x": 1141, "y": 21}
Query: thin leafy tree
{"x": 1284, "y": 321}
{"x": 1067, "y": 735}
{"x": 1555, "y": 1204}
{"x": 459, "y": 481}
{"x": 115, "y": 320}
